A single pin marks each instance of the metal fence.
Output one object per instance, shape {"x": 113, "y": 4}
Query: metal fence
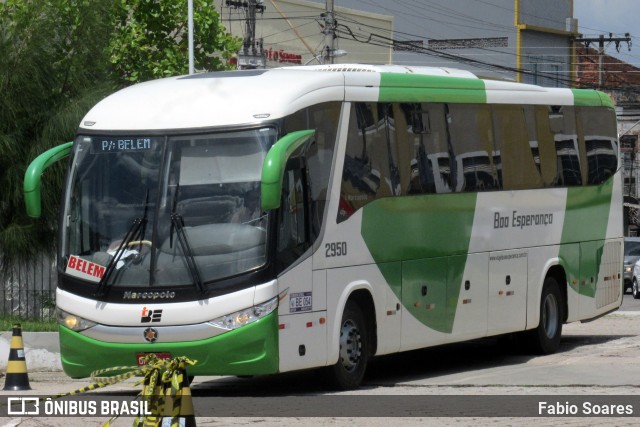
{"x": 28, "y": 291}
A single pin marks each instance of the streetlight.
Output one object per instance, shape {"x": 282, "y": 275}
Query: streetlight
{"x": 190, "y": 25}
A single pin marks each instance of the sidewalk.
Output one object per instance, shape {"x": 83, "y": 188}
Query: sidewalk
{"x": 42, "y": 351}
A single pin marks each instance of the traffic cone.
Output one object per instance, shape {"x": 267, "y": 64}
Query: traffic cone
{"x": 17, "y": 377}
{"x": 186, "y": 417}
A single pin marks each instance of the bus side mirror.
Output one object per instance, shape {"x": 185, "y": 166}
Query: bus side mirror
{"x": 275, "y": 163}
{"x": 32, "y": 176}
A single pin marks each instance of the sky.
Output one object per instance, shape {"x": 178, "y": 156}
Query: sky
{"x": 597, "y": 17}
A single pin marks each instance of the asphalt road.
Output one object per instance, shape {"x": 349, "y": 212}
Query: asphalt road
{"x": 596, "y": 360}
{"x": 629, "y": 303}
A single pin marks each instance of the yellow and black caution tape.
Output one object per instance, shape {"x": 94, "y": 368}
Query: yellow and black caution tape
{"x": 163, "y": 386}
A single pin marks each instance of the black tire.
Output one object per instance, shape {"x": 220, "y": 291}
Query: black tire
{"x": 545, "y": 339}
{"x": 634, "y": 289}
{"x": 348, "y": 373}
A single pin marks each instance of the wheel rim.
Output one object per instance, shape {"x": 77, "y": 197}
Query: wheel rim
{"x": 550, "y": 316}
{"x": 350, "y": 345}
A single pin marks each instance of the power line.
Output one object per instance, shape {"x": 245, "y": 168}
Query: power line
{"x": 383, "y": 41}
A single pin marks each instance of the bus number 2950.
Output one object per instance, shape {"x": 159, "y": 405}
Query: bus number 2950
{"x": 334, "y": 249}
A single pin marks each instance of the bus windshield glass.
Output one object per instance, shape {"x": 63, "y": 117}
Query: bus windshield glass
{"x": 165, "y": 211}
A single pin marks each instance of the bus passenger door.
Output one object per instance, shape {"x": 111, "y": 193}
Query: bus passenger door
{"x": 302, "y": 330}
{"x": 507, "y": 291}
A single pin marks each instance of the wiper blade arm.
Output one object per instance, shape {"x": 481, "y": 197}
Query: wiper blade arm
{"x": 135, "y": 231}
{"x": 177, "y": 223}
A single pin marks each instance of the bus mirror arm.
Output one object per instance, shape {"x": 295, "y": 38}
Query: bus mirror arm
{"x": 274, "y": 166}
{"x": 32, "y": 177}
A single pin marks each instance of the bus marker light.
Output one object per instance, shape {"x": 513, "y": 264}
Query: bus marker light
{"x": 323, "y": 320}
{"x": 309, "y": 324}
{"x": 281, "y": 326}
{"x": 500, "y": 292}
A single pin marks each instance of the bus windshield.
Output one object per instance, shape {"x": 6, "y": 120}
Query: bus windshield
{"x": 165, "y": 211}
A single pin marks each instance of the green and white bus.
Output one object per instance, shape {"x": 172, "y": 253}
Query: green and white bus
{"x": 266, "y": 221}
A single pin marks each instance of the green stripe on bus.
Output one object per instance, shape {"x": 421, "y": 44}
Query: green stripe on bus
{"x": 427, "y": 242}
{"x": 586, "y": 220}
{"x": 591, "y": 98}
{"x": 423, "y": 88}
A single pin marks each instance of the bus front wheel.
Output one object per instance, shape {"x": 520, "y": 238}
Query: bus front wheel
{"x": 348, "y": 373}
{"x": 545, "y": 339}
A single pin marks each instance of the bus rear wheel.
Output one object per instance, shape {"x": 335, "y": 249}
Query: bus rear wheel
{"x": 348, "y": 373}
{"x": 545, "y": 339}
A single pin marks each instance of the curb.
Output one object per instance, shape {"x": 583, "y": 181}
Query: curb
{"x": 37, "y": 340}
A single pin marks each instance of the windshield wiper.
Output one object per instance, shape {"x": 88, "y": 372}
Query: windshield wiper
{"x": 177, "y": 224}
{"x": 136, "y": 231}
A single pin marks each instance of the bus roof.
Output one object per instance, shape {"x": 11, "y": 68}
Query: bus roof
{"x": 229, "y": 98}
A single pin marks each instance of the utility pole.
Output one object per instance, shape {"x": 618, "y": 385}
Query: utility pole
{"x": 252, "y": 55}
{"x": 601, "y": 46}
{"x": 329, "y": 32}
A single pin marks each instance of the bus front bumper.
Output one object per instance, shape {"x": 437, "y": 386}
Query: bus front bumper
{"x": 249, "y": 350}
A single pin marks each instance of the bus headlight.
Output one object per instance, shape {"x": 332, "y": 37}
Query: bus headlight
{"x": 246, "y": 316}
{"x": 73, "y": 322}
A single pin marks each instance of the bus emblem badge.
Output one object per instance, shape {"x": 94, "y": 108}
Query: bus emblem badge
{"x": 150, "y": 335}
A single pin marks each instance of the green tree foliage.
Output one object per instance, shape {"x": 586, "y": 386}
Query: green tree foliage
{"x": 57, "y": 59}
{"x": 151, "y": 39}
{"x": 53, "y": 67}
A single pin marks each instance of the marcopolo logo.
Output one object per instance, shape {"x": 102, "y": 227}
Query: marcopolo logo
{"x": 149, "y": 295}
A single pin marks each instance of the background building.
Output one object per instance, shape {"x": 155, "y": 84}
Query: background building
{"x": 529, "y": 41}
{"x": 298, "y": 32}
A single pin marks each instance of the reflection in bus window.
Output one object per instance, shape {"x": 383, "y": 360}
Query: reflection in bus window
{"x": 601, "y": 143}
{"x": 423, "y": 152}
{"x": 520, "y": 170}
{"x": 543, "y": 138}
{"x": 323, "y": 118}
{"x": 477, "y": 161}
{"x": 293, "y": 239}
{"x": 563, "y": 126}
{"x": 370, "y": 164}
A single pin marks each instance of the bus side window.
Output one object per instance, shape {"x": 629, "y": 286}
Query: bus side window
{"x": 370, "y": 167}
{"x": 477, "y": 161}
{"x": 293, "y": 227}
{"x": 543, "y": 137}
{"x": 319, "y": 155}
{"x": 597, "y": 128}
{"x": 422, "y": 149}
{"x": 562, "y": 124}
{"x": 519, "y": 167}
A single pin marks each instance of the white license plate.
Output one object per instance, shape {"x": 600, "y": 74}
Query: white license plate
{"x": 301, "y": 301}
